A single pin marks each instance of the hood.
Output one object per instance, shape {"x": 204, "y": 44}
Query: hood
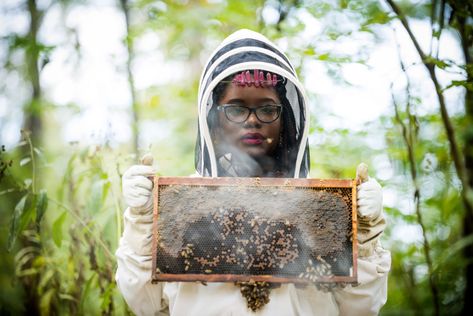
{"x": 241, "y": 51}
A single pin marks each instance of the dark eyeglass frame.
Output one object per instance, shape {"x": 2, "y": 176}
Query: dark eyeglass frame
{"x": 224, "y": 107}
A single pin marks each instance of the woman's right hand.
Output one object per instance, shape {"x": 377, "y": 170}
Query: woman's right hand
{"x": 137, "y": 187}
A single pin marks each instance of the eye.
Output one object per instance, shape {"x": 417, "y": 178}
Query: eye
{"x": 268, "y": 109}
{"x": 235, "y": 110}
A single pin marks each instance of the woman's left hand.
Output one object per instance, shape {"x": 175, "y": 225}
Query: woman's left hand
{"x": 371, "y": 221}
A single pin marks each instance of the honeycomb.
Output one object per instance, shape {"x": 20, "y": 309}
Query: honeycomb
{"x": 242, "y": 232}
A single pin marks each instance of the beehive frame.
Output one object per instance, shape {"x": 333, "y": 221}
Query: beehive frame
{"x": 312, "y": 273}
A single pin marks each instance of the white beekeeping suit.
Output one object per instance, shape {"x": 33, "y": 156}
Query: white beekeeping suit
{"x": 241, "y": 51}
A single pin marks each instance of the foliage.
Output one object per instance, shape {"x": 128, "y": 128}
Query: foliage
{"x": 61, "y": 203}
{"x": 61, "y": 238}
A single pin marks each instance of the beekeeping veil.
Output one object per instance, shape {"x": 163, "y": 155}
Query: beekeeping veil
{"x": 241, "y": 51}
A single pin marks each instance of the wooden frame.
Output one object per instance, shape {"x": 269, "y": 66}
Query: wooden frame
{"x": 255, "y": 183}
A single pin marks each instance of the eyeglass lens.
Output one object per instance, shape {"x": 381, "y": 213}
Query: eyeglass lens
{"x": 240, "y": 114}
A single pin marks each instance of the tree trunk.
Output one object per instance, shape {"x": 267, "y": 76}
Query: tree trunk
{"x": 468, "y": 152}
{"x": 461, "y": 12}
{"x": 131, "y": 81}
{"x": 32, "y": 111}
{"x": 33, "y": 124}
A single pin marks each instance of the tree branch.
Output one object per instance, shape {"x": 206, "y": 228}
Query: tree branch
{"x": 403, "y": 20}
{"x": 417, "y": 200}
{"x": 454, "y": 150}
{"x": 409, "y": 134}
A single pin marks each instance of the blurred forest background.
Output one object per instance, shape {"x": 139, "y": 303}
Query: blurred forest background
{"x": 88, "y": 86}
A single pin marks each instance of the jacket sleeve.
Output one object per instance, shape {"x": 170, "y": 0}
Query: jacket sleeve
{"x": 133, "y": 274}
{"x": 370, "y": 294}
{"x": 374, "y": 263}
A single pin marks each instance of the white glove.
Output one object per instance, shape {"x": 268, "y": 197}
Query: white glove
{"x": 370, "y": 199}
{"x": 370, "y": 211}
{"x": 137, "y": 188}
{"x": 370, "y": 194}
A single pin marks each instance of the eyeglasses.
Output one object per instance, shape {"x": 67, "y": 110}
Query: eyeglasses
{"x": 238, "y": 113}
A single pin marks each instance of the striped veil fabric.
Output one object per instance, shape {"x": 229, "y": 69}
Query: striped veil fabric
{"x": 241, "y": 51}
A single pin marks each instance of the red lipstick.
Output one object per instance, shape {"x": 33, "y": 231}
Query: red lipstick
{"x": 252, "y": 139}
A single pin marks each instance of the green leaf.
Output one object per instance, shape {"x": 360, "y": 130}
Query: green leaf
{"x": 67, "y": 176}
{"x": 45, "y": 301}
{"x": 41, "y": 206}
{"x": 37, "y": 151}
{"x": 67, "y": 297}
{"x": 22, "y": 143}
{"x": 439, "y": 63}
{"x": 325, "y": 56}
{"x": 460, "y": 83}
{"x": 25, "y": 161}
{"x": 107, "y": 297}
{"x": 105, "y": 189}
{"x": 44, "y": 280}
{"x": 20, "y": 218}
{"x": 98, "y": 195}
{"x": 6, "y": 191}
{"x": 57, "y": 229}
{"x": 85, "y": 292}
{"x": 309, "y": 51}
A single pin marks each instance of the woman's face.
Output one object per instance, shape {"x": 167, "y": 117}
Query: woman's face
{"x": 252, "y": 136}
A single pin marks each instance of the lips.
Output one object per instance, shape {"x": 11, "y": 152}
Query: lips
{"x": 252, "y": 139}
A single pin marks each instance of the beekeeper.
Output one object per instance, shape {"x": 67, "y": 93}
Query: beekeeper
{"x": 253, "y": 121}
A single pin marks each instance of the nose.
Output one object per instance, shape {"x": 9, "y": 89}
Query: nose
{"x": 252, "y": 120}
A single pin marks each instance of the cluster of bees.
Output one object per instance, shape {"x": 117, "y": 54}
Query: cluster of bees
{"x": 237, "y": 242}
{"x": 316, "y": 272}
{"x": 255, "y": 293}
